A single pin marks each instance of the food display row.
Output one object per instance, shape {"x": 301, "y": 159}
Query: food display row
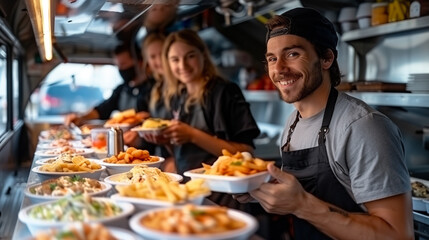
{"x": 73, "y": 190}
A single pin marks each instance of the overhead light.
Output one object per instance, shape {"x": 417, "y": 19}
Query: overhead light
{"x": 41, "y": 16}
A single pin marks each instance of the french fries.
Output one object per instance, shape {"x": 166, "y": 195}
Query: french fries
{"x": 238, "y": 164}
{"x": 132, "y": 156}
{"x": 164, "y": 190}
{"x": 69, "y": 163}
{"x": 192, "y": 220}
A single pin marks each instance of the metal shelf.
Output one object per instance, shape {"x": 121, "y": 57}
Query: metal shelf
{"x": 371, "y": 98}
{"x": 261, "y": 96}
{"x": 384, "y": 29}
{"x": 393, "y": 99}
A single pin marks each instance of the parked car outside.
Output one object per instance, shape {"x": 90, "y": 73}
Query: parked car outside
{"x": 58, "y": 99}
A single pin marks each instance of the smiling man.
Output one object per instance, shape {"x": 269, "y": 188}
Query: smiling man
{"x": 344, "y": 173}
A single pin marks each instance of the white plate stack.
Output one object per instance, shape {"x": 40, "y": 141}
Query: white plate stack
{"x": 418, "y": 83}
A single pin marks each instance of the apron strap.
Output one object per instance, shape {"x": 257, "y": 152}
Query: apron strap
{"x": 327, "y": 116}
{"x": 291, "y": 129}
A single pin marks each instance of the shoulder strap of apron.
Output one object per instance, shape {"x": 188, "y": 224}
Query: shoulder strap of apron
{"x": 333, "y": 94}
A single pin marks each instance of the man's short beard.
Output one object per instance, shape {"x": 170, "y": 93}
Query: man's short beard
{"x": 309, "y": 86}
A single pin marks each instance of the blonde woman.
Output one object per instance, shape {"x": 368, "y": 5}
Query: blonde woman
{"x": 151, "y": 52}
{"x": 210, "y": 113}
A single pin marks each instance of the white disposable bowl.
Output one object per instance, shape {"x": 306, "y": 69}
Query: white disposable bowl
{"x": 239, "y": 234}
{"x": 74, "y": 144}
{"x": 118, "y": 233}
{"x": 230, "y": 184}
{"x": 51, "y": 160}
{"x": 34, "y": 198}
{"x": 43, "y": 175}
{"x": 36, "y": 225}
{"x": 115, "y": 168}
{"x": 112, "y": 179}
{"x": 146, "y": 204}
{"x": 100, "y": 153}
{"x": 47, "y": 153}
{"x": 148, "y": 131}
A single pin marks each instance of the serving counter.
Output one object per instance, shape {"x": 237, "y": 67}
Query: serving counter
{"x": 22, "y": 232}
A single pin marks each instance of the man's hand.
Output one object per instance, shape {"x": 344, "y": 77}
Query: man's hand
{"x": 71, "y": 118}
{"x": 282, "y": 197}
{"x": 243, "y": 198}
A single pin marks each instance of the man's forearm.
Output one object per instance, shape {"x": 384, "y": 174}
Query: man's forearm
{"x": 340, "y": 224}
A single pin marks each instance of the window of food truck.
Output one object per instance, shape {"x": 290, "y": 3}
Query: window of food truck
{"x": 3, "y": 96}
{"x": 15, "y": 92}
{"x": 72, "y": 87}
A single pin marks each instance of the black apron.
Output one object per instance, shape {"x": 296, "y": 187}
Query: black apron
{"x": 311, "y": 167}
{"x": 188, "y": 155}
{"x": 128, "y": 98}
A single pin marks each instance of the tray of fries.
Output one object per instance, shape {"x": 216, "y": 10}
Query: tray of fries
{"x": 238, "y": 173}
{"x": 151, "y": 194}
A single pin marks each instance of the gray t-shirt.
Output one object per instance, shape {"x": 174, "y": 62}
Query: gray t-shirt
{"x": 364, "y": 147}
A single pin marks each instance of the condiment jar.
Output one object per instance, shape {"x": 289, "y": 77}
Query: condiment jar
{"x": 398, "y": 10}
{"x": 379, "y": 13}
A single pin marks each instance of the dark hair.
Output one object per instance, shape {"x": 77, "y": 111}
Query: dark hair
{"x": 322, "y": 51}
{"x": 121, "y": 48}
{"x": 133, "y": 50}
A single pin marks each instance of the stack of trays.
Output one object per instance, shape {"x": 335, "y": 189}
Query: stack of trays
{"x": 418, "y": 83}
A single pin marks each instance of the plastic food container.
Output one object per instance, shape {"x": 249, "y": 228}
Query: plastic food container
{"x": 379, "y": 14}
{"x": 35, "y": 225}
{"x": 230, "y": 184}
{"x": 99, "y": 137}
{"x": 238, "y": 234}
{"x": 116, "y": 168}
{"x": 43, "y": 175}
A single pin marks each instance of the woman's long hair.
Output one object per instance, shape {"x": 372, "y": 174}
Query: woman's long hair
{"x": 157, "y": 89}
{"x": 174, "y": 86}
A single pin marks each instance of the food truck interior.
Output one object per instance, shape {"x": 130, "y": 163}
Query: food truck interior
{"x": 383, "y": 65}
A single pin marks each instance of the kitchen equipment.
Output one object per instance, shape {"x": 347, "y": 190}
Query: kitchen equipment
{"x": 347, "y": 18}
{"x": 363, "y": 14}
{"x": 115, "y": 141}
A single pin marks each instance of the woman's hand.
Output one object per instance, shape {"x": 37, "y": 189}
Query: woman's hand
{"x": 178, "y": 132}
{"x": 131, "y": 138}
{"x": 156, "y": 138}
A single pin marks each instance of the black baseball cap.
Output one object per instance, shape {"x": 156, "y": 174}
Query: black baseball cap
{"x": 309, "y": 24}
